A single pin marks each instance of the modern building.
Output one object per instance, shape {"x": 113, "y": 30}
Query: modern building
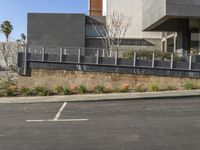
{"x": 166, "y": 25}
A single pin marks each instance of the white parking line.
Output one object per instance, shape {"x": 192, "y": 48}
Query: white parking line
{"x": 60, "y": 120}
{"x": 56, "y": 118}
{"x": 60, "y": 111}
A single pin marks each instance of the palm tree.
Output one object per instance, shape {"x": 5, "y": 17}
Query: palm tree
{"x": 6, "y": 28}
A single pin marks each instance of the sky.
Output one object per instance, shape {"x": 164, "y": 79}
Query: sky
{"x": 16, "y": 11}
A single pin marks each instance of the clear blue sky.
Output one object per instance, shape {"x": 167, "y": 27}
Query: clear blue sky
{"x": 16, "y": 11}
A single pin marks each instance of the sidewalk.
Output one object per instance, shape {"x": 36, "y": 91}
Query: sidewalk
{"x": 101, "y": 97}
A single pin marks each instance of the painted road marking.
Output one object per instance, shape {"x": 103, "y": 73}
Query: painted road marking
{"x": 60, "y": 120}
{"x": 56, "y": 118}
{"x": 60, "y": 111}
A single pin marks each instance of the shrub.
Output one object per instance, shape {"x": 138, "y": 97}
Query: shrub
{"x": 148, "y": 55}
{"x": 8, "y": 92}
{"x": 170, "y": 88}
{"x": 187, "y": 85}
{"x": 154, "y": 87}
{"x": 59, "y": 90}
{"x": 99, "y": 89}
{"x": 67, "y": 91}
{"x": 41, "y": 91}
{"x": 25, "y": 91}
{"x": 82, "y": 89}
{"x": 125, "y": 87}
{"x": 139, "y": 88}
{"x": 73, "y": 87}
{"x": 116, "y": 90}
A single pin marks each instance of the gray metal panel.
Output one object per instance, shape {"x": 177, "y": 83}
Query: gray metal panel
{"x": 156, "y": 12}
{"x": 152, "y": 12}
{"x": 56, "y": 29}
{"x": 183, "y": 8}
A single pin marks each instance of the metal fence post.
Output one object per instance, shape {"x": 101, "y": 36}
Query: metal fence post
{"x": 134, "y": 59}
{"x": 61, "y": 54}
{"x": 172, "y": 61}
{"x": 190, "y": 62}
{"x": 43, "y": 53}
{"x": 103, "y": 52}
{"x": 116, "y": 58}
{"x": 25, "y": 59}
{"x": 153, "y": 60}
{"x": 79, "y": 55}
{"x": 97, "y": 59}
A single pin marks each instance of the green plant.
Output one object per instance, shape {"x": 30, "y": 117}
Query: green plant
{"x": 170, "y": 88}
{"x": 42, "y": 91}
{"x": 25, "y": 91}
{"x": 59, "y": 90}
{"x": 82, "y": 89}
{"x": 145, "y": 54}
{"x": 139, "y": 88}
{"x": 99, "y": 89}
{"x": 154, "y": 87}
{"x": 8, "y": 92}
{"x": 6, "y": 28}
{"x": 67, "y": 91}
{"x": 187, "y": 85}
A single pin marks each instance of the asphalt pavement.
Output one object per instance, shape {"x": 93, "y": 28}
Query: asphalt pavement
{"x": 161, "y": 124}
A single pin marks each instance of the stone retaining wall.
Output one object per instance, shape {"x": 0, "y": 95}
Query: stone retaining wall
{"x": 52, "y": 78}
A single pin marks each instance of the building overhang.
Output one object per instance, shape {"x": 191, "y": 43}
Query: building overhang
{"x": 166, "y": 15}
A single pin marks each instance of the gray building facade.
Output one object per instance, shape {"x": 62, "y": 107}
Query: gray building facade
{"x": 180, "y": 16}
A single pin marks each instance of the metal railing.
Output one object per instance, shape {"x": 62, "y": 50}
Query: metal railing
{"x": 97, "y": 56}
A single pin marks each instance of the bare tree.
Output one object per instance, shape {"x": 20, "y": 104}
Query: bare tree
{"x": 113, "y": 31}
{"x": 9, "y": 58}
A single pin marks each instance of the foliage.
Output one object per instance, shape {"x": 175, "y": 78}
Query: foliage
{"x": 8, "y": 92}
{"x": 139, "y": 88}
{"x": 42, "y": 91}
{"x": 67, "y": 91}
{"x": 99, "y": 89}
{"x": 187, "y": 85}
{"x": 146, "y": 54}
{"x": 59, "y": 90}
{"x": 125, "y": 86}
{"x": 6, "y": 28}
{"x": 82, "y": 89}
{"x": 26, "y": 91}
{"x": 170, "y": 88}
{"x": 154, "y": 87}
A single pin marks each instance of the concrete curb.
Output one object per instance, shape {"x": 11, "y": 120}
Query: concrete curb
{"x": 102, "y": 97}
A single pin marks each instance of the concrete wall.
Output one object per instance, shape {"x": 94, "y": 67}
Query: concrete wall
{"x": 131, "y": 8}
{"x": 56, "y": 29}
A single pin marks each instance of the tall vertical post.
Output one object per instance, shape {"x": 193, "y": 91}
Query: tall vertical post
{"x": 116, "y": 58}
{"x": 172, "y": 61}
{"x": 103, "y": 52}
{"x": 153, "y": 60}
{"x": 25, "y": 59}
{"x": 61, "y": 54}
{"x": 97, "y": 57}
{"x": 190, "y": 62}
{"x": 17, "y": 55}
{"x": 43, "y": 53}
{"x": 79, "y": 55}
{"x": 134, "y": 59}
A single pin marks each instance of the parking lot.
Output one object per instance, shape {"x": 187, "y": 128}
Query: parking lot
{"x": 161, "y": 124}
